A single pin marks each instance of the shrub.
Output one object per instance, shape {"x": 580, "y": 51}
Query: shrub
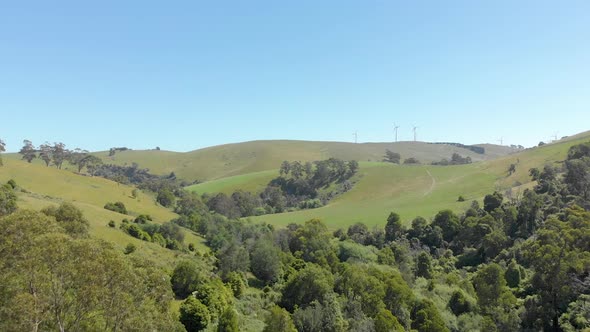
{"x": 461, "y": 199}
{"x": 11, "y": 183}
{"x": 130, "y": 248}
{"x": 236, "y": 284}
{"x": 459, "y": 303}
{"x": 191, "y": 247}
{"x": 228, "y": 322}
{"x": 7, "y": 200}
{"x": 118, "y": 207}
{"x": 112, "y": 224}
{"x": 186, "y": 277}
{"x": 142, "y": 219}
{"x": 165, "y": 198}
{"x": 194, "y": 315}
{"x": 411, "y": 161}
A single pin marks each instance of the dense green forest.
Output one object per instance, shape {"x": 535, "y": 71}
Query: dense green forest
{"x": 517, "y": 262}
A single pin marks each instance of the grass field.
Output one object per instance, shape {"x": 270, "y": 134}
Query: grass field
{"x": 253, "y": 182}
{"x": 250, "y": 157}
{"x": 408, "y": 190}
{"x": 43, "y": 186}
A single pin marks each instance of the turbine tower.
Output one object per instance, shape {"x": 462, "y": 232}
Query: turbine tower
{"x": 501, "y": 140}
{"x": 355, "y": 134}
{"x": 395, "y": 128}
{"x": 414, "y": 130}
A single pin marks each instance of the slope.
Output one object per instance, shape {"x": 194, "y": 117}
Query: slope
{"x": 42, "y": 186}
{"x": 248, "y": 157}
{"x": 410, "y": 190}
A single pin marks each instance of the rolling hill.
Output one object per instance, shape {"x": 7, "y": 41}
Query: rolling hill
{"x": 409, "y": 190}
{"x": 243, "y": 158}
{"x": 42, "y": 186}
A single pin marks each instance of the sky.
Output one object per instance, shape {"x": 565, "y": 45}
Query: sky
{"x": 184, "y": 75}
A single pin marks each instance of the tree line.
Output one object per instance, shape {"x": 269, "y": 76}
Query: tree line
{"x": 298, "y": 186}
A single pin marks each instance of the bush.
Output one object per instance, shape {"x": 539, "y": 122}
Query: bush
{"x": 411, "y": 161}
{"x": 461, "y": 199}
{"x": 142, "y": 219}
{"x": 228, "y": 322}
{"x": 194, "y": 315}
{"x": 7, "y": 200}
{"x": 279, "y": 320}
{"x": 459, "y": 303}
{"x": 186, "y": 277}
{"x": 191, "y": 247}
{"x": 112, "y": 224}
{"x": 165, "y": 198}
{"x": 118, "y": 207}
{"x": 130, "y": 248}
{"x": 11, "y": 183}
{"x": 136, "y": 232}
{"x": 236, "y": 284}
{"x": 70, "y": 218}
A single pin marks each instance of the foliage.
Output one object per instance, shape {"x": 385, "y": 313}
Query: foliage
{"x": 194, "y": 315}
{"x": 187, "y": 276}
{"x": 228, "y": 322}
{"x": 70, "y": 218}
{"x": 45, "y": 282}
{"x": 320, "y": 316}
{"x": 385, "y": 321}
{"x": 28, "y": 151}
{"x": 411, "y": 161}
{"x": 7, "y": 200}
{"x": 394, "y": 228}
{"x": 278, "y": 320}
{"x": 301, "y": 186}
{"x": 459, "y": 304}
{"x": 166, "y": 198}
{"x": 427, "y": 318}
{"x": 310, "y": 284}
{"x": 130, "y": 248}
{"x": 577, "y": 316}
{"x": 456, "y": 159}
{"x": 2, "y": 149}
{"x": 392, "y": 157}
{"x": 265, "y": 261}
{"x": 118, "y": 207}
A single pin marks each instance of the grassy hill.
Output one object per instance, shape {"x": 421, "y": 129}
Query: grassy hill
{"x": 43, "y": 186}
{"x": 248, "y": 157}
{"x": 409, "y": 190}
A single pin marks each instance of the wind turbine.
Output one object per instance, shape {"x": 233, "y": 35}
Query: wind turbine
{"x": 414, "y": 130}
{"x": 395, "y": 128}
{"x": 501, "y": 140}
{"x": 355, "y": 134}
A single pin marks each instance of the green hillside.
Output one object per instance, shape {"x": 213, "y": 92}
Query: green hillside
{"x": 248, "y": 157}
{"x": 409, "y": 190}
{"x": 43, "y": 186}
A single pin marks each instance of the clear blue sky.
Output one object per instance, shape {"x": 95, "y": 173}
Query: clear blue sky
{"x": 185, "y": 75}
